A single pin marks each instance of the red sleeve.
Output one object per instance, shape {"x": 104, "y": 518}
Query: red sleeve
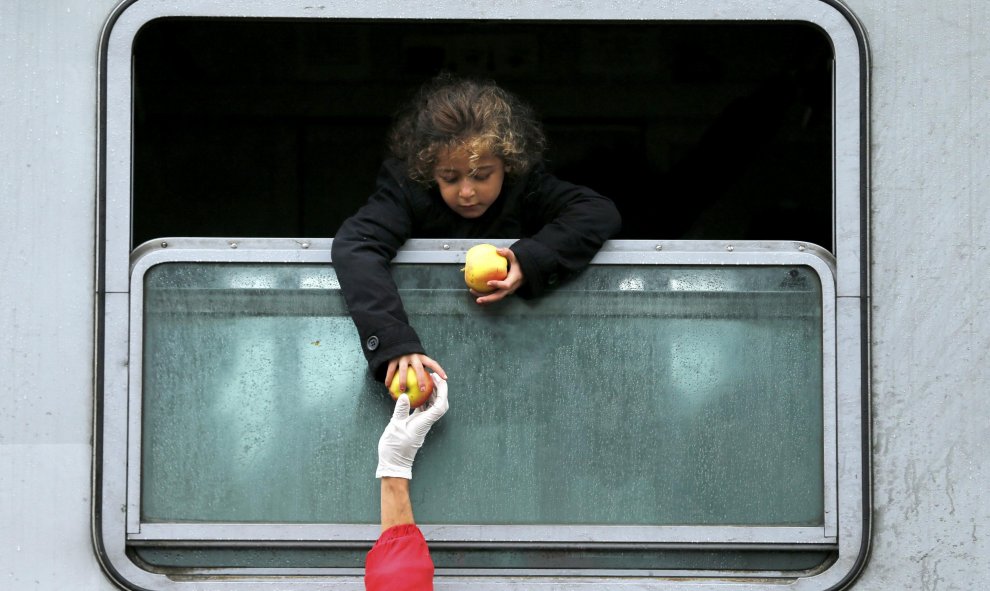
{"x": 399, "y": 561}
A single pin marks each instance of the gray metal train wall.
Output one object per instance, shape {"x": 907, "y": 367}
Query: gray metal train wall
{"x": 774, "y": 377}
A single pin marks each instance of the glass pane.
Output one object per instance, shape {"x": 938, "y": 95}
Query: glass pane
{"x": 639, "y": 395}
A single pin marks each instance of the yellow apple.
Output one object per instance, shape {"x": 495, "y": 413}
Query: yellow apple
{"x": 417, "y": 397}
{"x": 483, "y": 264}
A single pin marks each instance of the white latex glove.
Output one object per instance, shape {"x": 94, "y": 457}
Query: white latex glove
{"x": 406, "y": 432}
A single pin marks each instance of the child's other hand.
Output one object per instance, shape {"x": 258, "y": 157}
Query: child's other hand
{"x": 505, "y": 287}
{"x": 417, "y": 361}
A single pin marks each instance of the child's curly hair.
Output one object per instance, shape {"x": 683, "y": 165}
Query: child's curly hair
{"x": 449, "y": 114}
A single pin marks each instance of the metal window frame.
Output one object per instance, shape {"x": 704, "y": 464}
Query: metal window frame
{"x": 114, "y": 438}
{"x": 627, "y": 252}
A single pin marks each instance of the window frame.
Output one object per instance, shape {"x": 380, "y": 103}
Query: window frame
{"x": 115, "y": 493}
{"x": 616, "y": 252}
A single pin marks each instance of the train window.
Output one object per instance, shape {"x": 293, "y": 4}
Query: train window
{"x": 703, "y": 381}
{"x": 248, "y": 372}
{"x": 715, "y": 131}
{"x": 245, "y": 372}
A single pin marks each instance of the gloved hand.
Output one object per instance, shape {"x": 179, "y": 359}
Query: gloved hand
{"x": 405, "y": 433}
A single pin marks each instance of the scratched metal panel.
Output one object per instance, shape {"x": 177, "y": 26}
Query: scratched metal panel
{"x": 930, "y": 224}
{"x": 931, "y": 327}
{"x": 45, "y": 517}
{"x": 47, "y": 224}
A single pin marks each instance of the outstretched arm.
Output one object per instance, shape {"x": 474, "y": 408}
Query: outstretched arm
{"x": 396, "y": 505}
{"x": 362, "y": 253}
{"x": 397, "y": 449}
{"x": 400, "y": 559}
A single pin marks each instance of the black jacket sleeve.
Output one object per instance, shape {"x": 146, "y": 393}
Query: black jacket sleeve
{"x": 571, "y": 223}
{"x": 361, "y": 254}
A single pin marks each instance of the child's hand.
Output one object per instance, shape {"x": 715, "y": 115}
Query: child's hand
{"x": 418, "y": 362}
{"x": 507, "y": 286}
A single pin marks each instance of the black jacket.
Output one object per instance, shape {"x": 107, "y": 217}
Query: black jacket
{"x": 560, "y": 225}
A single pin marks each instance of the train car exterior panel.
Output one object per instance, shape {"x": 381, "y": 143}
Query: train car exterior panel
{"x": 930, "y": 330}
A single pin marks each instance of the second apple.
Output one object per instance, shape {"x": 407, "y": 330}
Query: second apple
{"x": 483, "y": 264}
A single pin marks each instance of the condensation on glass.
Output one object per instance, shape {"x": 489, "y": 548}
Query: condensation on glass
{"x": 634, "y": 395}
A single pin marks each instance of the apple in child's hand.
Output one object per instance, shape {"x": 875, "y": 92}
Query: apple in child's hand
{"x": 417, "y": 397}
{"x": 483, "y": 264}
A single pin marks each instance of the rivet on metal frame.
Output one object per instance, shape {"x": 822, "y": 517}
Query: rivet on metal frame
{"x": 446, "y": 247}
{"x": 659, "y": 247}
{"x": 730, "y": 248}
{"x": 232, "y": 244}
{"x": 164, "y": 244}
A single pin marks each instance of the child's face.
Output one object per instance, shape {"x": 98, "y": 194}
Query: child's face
{"x": 469, "y": 191}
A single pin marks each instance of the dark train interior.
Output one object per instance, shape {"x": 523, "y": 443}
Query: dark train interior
{"x": 697, "y": 130}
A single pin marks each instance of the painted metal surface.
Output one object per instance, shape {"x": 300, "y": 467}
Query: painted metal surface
{"x": 930, "y": 226}
{"x": 931, "y": 331}
{"x": 47, "y": 226}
